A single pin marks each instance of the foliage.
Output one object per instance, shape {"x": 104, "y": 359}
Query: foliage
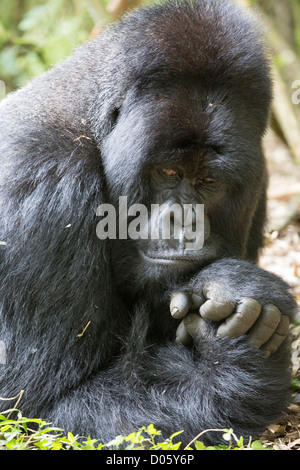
{"x": 296, "y": 383}
{"x": 36, "y": 34}
{"x": 36, "y": 434}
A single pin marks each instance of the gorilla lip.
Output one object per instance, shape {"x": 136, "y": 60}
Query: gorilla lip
{"x": 167, "y": 260}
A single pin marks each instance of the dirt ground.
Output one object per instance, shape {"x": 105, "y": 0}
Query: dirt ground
{"x": 281, "y": 255}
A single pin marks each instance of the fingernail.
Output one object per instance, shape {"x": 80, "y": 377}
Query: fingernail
{"x": 174, "y": 311}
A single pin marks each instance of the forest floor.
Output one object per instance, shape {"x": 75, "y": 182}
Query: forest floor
{"x": 281, "y": 255}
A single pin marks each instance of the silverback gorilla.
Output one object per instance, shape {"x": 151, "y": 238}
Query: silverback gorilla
{"x": 168, "y": 106}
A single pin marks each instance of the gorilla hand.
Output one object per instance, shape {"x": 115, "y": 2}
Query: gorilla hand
{"x": 264, "y": 325}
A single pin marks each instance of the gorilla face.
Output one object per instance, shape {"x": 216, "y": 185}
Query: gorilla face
{"x": 184, "y": 144}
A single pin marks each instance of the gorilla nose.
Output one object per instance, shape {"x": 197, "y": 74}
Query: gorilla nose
{"x": 185, "y": 225}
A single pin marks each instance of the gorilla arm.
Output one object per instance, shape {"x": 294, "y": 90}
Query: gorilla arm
{"x": 176, "y": 387}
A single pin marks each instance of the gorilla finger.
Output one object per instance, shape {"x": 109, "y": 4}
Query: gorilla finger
{"x": 194, "y": 325}
{"x": 180, "y": 304}
{"x": 246, "y": 314}
{"x": 215, "y": 311}
{"x": 197, "y": 301}
{"x": 278, "y": 337}
{"x": 265, "y": 326}
{"x": 182, "y": 335}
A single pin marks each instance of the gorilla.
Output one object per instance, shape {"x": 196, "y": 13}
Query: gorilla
{"x": 107, "y": 334}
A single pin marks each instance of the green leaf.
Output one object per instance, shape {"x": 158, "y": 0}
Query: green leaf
{"x": 199, "y": 445}
{"x": 175, "y": 434}
{"x": 257, "y": 445}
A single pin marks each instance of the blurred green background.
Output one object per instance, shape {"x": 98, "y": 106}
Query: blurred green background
{"x": 36, "y": 34}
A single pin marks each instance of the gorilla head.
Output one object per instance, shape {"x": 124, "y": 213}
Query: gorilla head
{"x": 187, "y": 129}
{"x": 166, "y": 109}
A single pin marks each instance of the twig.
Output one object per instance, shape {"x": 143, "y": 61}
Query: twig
{"x": 18, "y": 397}
{"x": 204, "y": 432}
{"x": 83, "y": 331}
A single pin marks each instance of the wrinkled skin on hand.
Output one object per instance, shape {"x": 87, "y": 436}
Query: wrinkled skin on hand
{"x": 264, "y": 325}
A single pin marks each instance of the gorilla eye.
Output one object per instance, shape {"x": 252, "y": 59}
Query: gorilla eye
{"x": 208, "y": 181}
{"x": 169, "y": 172}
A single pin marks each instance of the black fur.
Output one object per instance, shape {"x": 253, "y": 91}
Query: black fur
{"x": 85, "y": 133}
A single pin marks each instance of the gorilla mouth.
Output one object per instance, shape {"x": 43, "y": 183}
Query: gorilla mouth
{"x": 168, "y": 259}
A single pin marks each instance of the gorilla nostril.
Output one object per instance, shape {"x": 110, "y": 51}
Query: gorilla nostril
{"x": 115, "y": 116}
